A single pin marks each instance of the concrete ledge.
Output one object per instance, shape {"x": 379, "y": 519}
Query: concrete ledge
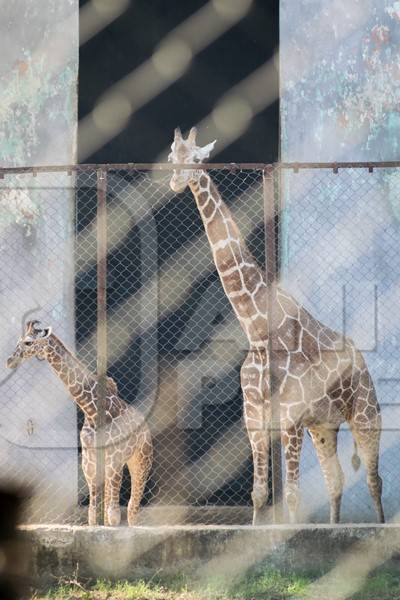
{"x": 58, "y": 552}
{"x": 159, "y": 515}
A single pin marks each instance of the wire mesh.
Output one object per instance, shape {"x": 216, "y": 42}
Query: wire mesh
{"x": 174, "y": 345}
{"x": 174, "y": 348}
{"x": 339, "y": 232}
{"x": 38, "y": 422}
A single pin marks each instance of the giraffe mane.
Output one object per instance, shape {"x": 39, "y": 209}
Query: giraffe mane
{"x": 112, "y": 387}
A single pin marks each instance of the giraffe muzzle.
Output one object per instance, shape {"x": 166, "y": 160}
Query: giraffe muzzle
{"x": 178, "y": 184}
{"x": 13, "y": 362}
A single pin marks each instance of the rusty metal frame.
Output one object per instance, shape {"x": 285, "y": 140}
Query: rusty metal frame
{"x": 295, "y": 166}
{"x": 271, "y": 220}
{"x": 101, "y": 341}
{"x": 272, "y": 198}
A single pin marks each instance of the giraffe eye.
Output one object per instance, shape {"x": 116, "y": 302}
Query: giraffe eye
{"x": 28, "y": 343}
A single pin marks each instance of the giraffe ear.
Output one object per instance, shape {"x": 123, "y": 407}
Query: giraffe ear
{"x": 192, "y": 136}
{"x": 46, "y": 332}
{"x": 205, "y": 151}
{"x": 177, "y": 134}
{"x": 171, "y": 154}
{"x": 32, "y": 327}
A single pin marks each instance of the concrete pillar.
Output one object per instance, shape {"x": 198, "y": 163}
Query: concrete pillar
{"x": 340, "y": 87}
{"x": 38, "y": 119}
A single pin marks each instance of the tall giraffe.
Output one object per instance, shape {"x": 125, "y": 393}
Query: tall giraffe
{"x": 127, "y": 436}
{"x": 323, "y": 379}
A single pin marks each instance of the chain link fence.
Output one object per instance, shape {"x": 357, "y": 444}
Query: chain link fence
{"x": 339, "y": 259}
{"x": 173, "y": 345}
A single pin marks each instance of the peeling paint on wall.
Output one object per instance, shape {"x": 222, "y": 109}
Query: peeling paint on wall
{"x": 38, "y": 123}
{"x": 31, "y": 93}
{"x": 16, "y": 206}
{"x": 340, "y": 80}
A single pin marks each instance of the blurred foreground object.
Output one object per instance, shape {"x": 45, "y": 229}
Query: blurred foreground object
{"x": 13, "y": 552}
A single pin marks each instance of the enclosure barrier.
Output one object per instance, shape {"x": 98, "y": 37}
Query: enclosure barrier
{"x": 121, "y": 269}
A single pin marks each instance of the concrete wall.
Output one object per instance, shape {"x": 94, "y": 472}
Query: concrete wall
{"x": 202, "y": 553}
{"x": 38, "y": 118}
{"x": 340, "y": 83}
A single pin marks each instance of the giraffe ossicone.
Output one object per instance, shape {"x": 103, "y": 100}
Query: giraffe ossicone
{"x": 127, "y": 436}
{"x": 186, "y": 151}
{"x": 323, "y": 379}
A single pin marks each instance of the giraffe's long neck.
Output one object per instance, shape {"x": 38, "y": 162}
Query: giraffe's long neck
{"x": 241, "y": 277}
{"x": 79, "y": 382}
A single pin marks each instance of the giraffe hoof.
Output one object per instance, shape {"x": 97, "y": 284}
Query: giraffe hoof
{"x": 132, "y": 519}
{"x": 257, "y": 520}
{"x": 114, "y": 517}
{"x": 92, "y": 521}
{"x": 132, "y": 522}
{"x": 292, "y": 501}
{"x": 258, "y": 498}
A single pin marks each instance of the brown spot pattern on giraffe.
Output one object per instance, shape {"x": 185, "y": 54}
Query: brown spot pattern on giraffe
{"x": 322, "y": 378}
{"x": 127, "y": 436}
{"x": 319, "y": 372}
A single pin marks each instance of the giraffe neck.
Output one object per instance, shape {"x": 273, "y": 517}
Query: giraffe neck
{"x": 80, "y": 383}
{"x": 242, "y": 279}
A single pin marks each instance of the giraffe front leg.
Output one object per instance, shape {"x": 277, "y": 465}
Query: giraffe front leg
{"x": 112, "y": 511}
{"x": 92, "y": 511}
{"x": 292, "y": 439}
{"x": 89, "y": 471}
{"x": 106, "y": 501}
{"x": 256, "y": 414}
{"x": 259, "y": 441}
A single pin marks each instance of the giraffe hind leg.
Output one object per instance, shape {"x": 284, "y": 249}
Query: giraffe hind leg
{"x": 139, "y": 466}
{"x": 366, "y": 426}
{"x": 367, "y": 440}
{"x": 292, "y": 439}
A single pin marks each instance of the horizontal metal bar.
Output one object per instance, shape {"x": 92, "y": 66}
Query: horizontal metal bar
{"x": 131, "y": 167}
{"x": 296, "y": 166}
{"x": 338, "y": 165}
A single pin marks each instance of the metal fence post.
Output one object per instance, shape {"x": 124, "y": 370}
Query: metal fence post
{"x": 271, "y": 214}
{"x": 101, "y": 339}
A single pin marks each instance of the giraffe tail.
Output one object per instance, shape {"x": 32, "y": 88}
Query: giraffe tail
{"x": 355, "y": 459}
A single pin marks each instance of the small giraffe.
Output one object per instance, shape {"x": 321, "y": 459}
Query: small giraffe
{"x": 323, "y": 379}
{"x": 127, "y": 436}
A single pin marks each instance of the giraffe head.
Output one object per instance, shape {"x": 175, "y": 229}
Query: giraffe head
{"x": 186, "y": 152}
{"x": 34, "y": 342}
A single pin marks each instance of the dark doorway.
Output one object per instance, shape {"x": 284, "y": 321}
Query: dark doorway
{"x": 132, "y": 38}
{"x": 106, "y": 58}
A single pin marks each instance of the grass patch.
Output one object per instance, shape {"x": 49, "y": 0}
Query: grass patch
{"x": 262, "y": 584}
{"x": 384, "y": 585}
{"x": 272, "y": 585}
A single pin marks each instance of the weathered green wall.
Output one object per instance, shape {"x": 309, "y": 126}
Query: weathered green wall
{"x": 38, "y": 118}
{"x": 340, "y": 79}
{"x": 38, "y": 79}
